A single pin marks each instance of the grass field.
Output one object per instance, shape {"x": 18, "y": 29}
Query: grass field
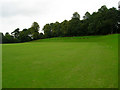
{"x": 64, "y": 62}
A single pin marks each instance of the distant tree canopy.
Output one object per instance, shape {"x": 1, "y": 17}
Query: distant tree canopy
{"x": 76, "y": 15}
{"x": 87, "y": 15}
{"x": 103, "y": 22}
{"x": 33, "y": 31}
{"x": 25, "y": 35}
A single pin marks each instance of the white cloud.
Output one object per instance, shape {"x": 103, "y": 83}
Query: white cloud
{"x": 22, "y": 13}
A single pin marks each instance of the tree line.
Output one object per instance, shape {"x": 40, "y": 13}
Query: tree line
{"x": 103, "y": 22}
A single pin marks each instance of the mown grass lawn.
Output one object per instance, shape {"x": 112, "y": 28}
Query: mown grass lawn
{"x": 69, "y": 62}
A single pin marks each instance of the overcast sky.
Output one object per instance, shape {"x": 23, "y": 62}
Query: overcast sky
{"x": 22, "y": 13}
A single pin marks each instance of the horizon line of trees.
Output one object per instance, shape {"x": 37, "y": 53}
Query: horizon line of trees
{"x": 103, "y": 22}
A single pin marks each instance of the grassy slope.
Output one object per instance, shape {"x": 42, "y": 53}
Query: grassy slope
{"x": 62, "y": 63}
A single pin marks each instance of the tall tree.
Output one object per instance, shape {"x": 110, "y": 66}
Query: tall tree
{"x": 87, "y": 15}
{"x": 64, "y": 28}
{"x": 34, "y": 30}
{"x": 73, "y": 25}
{"x": 76, "y": 15}
{"x": 47, "y": 31}
{"x": 55, "y": 27}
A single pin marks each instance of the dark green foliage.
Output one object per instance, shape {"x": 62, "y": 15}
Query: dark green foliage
{"x": 64, "y": 28}
{"x": 16, "y": 33}
{"x": 87, "y": 15}
{"x": 55, "y": 27}
{"x": 74, "y": 27}
{"x": 76, "y": 15}
{"x": 104, "y": 21}
{"x": 41, "y": 36}
{"x": 33, "y": 31}
{"x": 1, "y": 35}
{"x": 9, "y": 39}
{"x": 47, "y": 31}
{"x": 24, "y": 36}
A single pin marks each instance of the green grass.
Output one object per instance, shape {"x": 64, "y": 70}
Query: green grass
{"x": 64, "y": 62}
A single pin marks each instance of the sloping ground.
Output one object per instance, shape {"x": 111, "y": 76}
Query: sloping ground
{"x": 69, "y": 62}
